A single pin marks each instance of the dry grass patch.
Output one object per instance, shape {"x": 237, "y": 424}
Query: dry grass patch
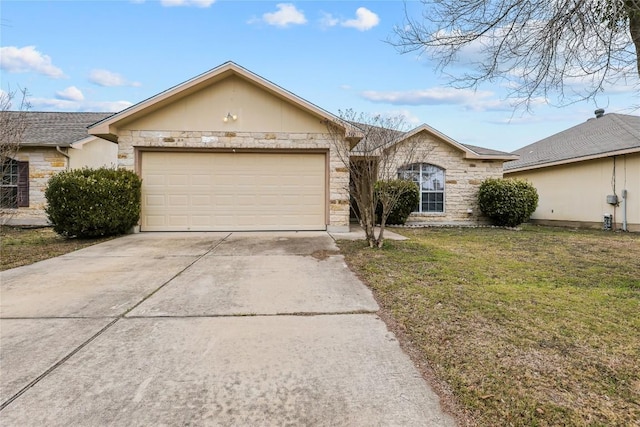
{"x": 535, "y": 327}
{"x": 25, "y": 246}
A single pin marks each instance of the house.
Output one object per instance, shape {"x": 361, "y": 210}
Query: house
{"x": 587, "y": 175}
{"x": 51, "y": 142}
{"x": 229, "y": 150}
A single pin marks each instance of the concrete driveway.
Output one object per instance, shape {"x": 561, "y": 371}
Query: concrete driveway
{"x": 202, "y": 329}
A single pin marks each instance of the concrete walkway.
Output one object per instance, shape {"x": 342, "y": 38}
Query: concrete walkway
{"x": 202, "y": 329}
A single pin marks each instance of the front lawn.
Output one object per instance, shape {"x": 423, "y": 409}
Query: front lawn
{"x": 530, "y": 327}
{"x": 20, "y": 246}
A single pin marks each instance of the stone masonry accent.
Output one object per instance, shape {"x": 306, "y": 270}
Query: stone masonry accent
{"x": 462, "y": 180}
{"x": 44, "y": 162}
{"x": 129, "y": 140}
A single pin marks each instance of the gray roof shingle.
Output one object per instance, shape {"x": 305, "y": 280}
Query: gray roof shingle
{"x": 595, "y": 137}
{"x": 55, "y": 128}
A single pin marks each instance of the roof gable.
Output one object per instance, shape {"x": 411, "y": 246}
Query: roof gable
{"x": 469, "y": 151}
{"x": 108, "y": 128}
{"x": 608, "y": 135}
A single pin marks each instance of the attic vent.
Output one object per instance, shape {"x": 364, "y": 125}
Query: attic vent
{"x": 599, "y": 113}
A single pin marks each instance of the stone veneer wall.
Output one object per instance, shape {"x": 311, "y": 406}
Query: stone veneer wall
{"x": 462, "y": 181}
{"x": 44, "y": 162}
{"x": 129, "y": 140}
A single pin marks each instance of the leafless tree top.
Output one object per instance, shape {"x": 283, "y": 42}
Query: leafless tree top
{"x": 536, "y": 47}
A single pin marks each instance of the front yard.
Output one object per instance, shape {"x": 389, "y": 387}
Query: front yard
{"x": 20, "y": 246}
{"x": 534, "y": 327}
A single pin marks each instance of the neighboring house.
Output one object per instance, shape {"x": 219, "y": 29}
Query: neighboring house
{"x": 52, "y": 142}
{"x": 585, "y": 173}
{"x": 229, "y": 150}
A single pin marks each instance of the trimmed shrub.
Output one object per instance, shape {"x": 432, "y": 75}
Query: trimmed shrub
{"x": 89, "y": 203}
{"x": 408, "y": 195}
{"x": 507, "y": 202}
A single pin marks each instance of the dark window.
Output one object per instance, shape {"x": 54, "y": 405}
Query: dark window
{"x": 14, "y": 184}
{"x": 430, "y": 179}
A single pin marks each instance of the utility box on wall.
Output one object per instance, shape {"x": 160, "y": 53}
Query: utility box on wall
{"x": 612, "y": 199}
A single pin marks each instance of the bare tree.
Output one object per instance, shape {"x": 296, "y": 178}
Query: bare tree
{"x": 13, "y": 123}
{"x": 536, "y": 47}
{"x": 376, "y": 158}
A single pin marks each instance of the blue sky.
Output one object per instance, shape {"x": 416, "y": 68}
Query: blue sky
{"x": 107, "y": 55}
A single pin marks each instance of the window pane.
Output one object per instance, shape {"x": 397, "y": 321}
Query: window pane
{"x": 9, "y": 197}
{"x": 432, "y": 202}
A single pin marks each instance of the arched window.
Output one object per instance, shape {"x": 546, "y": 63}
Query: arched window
{"x": 430, "y": 179}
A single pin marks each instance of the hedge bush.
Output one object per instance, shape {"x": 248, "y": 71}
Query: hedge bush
{"x": 507, "y": 202}
{"x": 89, "y": 203}
{"x": 409, "y": 197}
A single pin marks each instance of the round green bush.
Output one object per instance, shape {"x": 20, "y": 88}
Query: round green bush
{"x": 507, "y": 202}
{"x": 89, "y": 203}
{"x": 408, "y": 197}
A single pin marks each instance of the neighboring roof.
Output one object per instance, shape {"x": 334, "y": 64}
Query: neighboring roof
{"x": 106, "y": 128}
{"x": 49, "y": 129}
{"x": 470, "y": 151}
{"x": 612, "y": 134}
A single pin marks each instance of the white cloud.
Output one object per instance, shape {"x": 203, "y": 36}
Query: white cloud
{"x": 108, "y": 78}
{"x": 328, "y": 20}
{"x": 286, "y": 15}
{"x": 197, "y": 3}
{"x": 53, "y": 104}
{"x": 28, "y": 59}
{"x": 408, "y": 116}
{"x": 432, "y": 96}
{"x": 467, "y": 98}
{"x": 365, "y": 20}
{"x": 71, "y": 93}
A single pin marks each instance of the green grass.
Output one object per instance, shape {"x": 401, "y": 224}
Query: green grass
{"x": 20, "y": 246}
{"x": 530, "y": 327}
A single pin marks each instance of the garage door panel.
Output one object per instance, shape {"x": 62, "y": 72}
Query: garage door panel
{"x": 227, "y": 191}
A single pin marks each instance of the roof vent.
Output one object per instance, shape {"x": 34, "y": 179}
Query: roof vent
{"x": 599, "y": 113}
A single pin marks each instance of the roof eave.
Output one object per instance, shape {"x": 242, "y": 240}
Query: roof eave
{"x": 575, "y": 160}
{"x": 475, "y": 156}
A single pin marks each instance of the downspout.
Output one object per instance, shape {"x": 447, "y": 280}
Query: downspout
{"x": 59, "y": 150}
{"x": 624, "y": 210}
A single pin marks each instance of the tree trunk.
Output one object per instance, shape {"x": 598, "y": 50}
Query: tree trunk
{"x": 633, "y": 11}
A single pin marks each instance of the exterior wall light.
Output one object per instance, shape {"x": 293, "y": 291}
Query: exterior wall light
{"x": 230, "y": 116}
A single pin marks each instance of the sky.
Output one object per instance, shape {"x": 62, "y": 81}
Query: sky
{"x": 108, "y": 55}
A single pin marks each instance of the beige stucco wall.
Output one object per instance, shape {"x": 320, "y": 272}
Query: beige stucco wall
{"x": 575, "y": 194}
{"x": 462, "y": 179}
{"x": 94, "y": 154}
{"x": 256, "y": 109}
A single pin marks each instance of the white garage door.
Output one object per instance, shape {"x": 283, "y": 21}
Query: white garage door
{"x": 199, "y": 191}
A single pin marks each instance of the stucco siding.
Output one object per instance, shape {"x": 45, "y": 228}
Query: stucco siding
{"x": 577, "y": 192}
{"x": 256, "y": 110}
{"x": 94, "y": 154}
